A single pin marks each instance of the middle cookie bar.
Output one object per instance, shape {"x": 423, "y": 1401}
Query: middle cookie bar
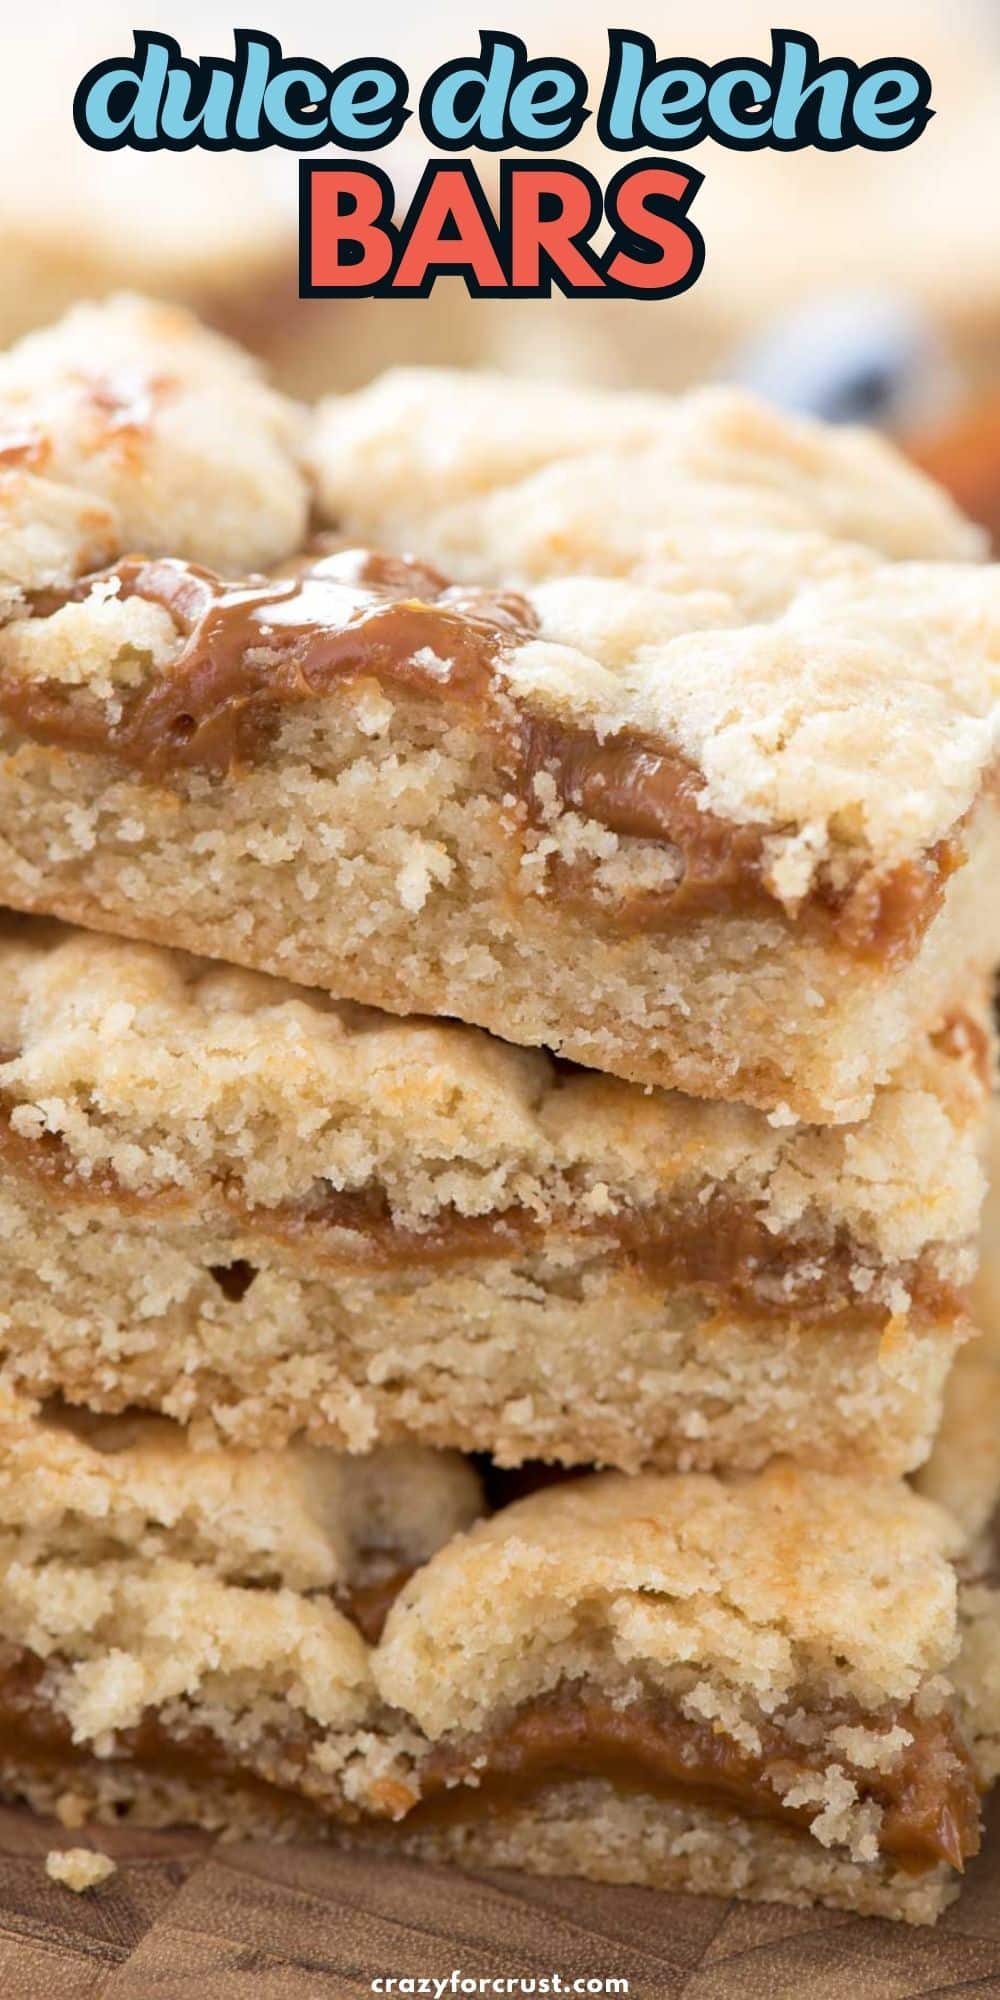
{"x": 249, "y": 1207}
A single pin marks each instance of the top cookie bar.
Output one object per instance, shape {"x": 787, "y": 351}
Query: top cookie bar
{"x": 687, "y": 773}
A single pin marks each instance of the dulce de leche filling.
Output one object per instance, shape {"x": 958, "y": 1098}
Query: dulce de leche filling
{"x": 928, "y": 1798}
{"x": 249, "y": 651}
{"x": 368, "y": 1605}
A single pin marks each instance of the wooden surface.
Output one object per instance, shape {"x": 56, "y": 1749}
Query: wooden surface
{"x": 184, "y": 1919}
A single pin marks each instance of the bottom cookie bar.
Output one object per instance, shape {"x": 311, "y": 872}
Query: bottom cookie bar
{"x": 771, "y": 1684}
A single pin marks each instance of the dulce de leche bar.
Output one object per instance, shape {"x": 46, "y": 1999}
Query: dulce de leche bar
{"x": 658, "y": 733}
{"x": 259, "y": 1210}
{"x": 767, "y": 1685}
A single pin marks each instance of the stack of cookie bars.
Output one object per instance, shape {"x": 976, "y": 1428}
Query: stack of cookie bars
{"x": 503, "y": 893}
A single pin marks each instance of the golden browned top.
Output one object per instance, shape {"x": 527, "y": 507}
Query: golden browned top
{"x": 782, "y": 1580}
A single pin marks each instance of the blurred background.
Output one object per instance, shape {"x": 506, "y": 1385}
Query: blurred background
{"x": 858, "y": 285}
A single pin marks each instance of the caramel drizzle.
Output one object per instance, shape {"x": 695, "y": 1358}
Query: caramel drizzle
{"x": 252, "y": 650}
{"x": 368, "y": 1605}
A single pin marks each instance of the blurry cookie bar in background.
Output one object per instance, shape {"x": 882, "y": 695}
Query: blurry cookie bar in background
{"x": 964, "y": 455}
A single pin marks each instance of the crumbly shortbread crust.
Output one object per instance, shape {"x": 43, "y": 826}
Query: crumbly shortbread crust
{"x": 74, "y": 1483}
{"x": 419, "y": 452}
{"x": 123, "y": 1636}
{"x": 588, "y": 1830}
{"x": 78, "y": 1868}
